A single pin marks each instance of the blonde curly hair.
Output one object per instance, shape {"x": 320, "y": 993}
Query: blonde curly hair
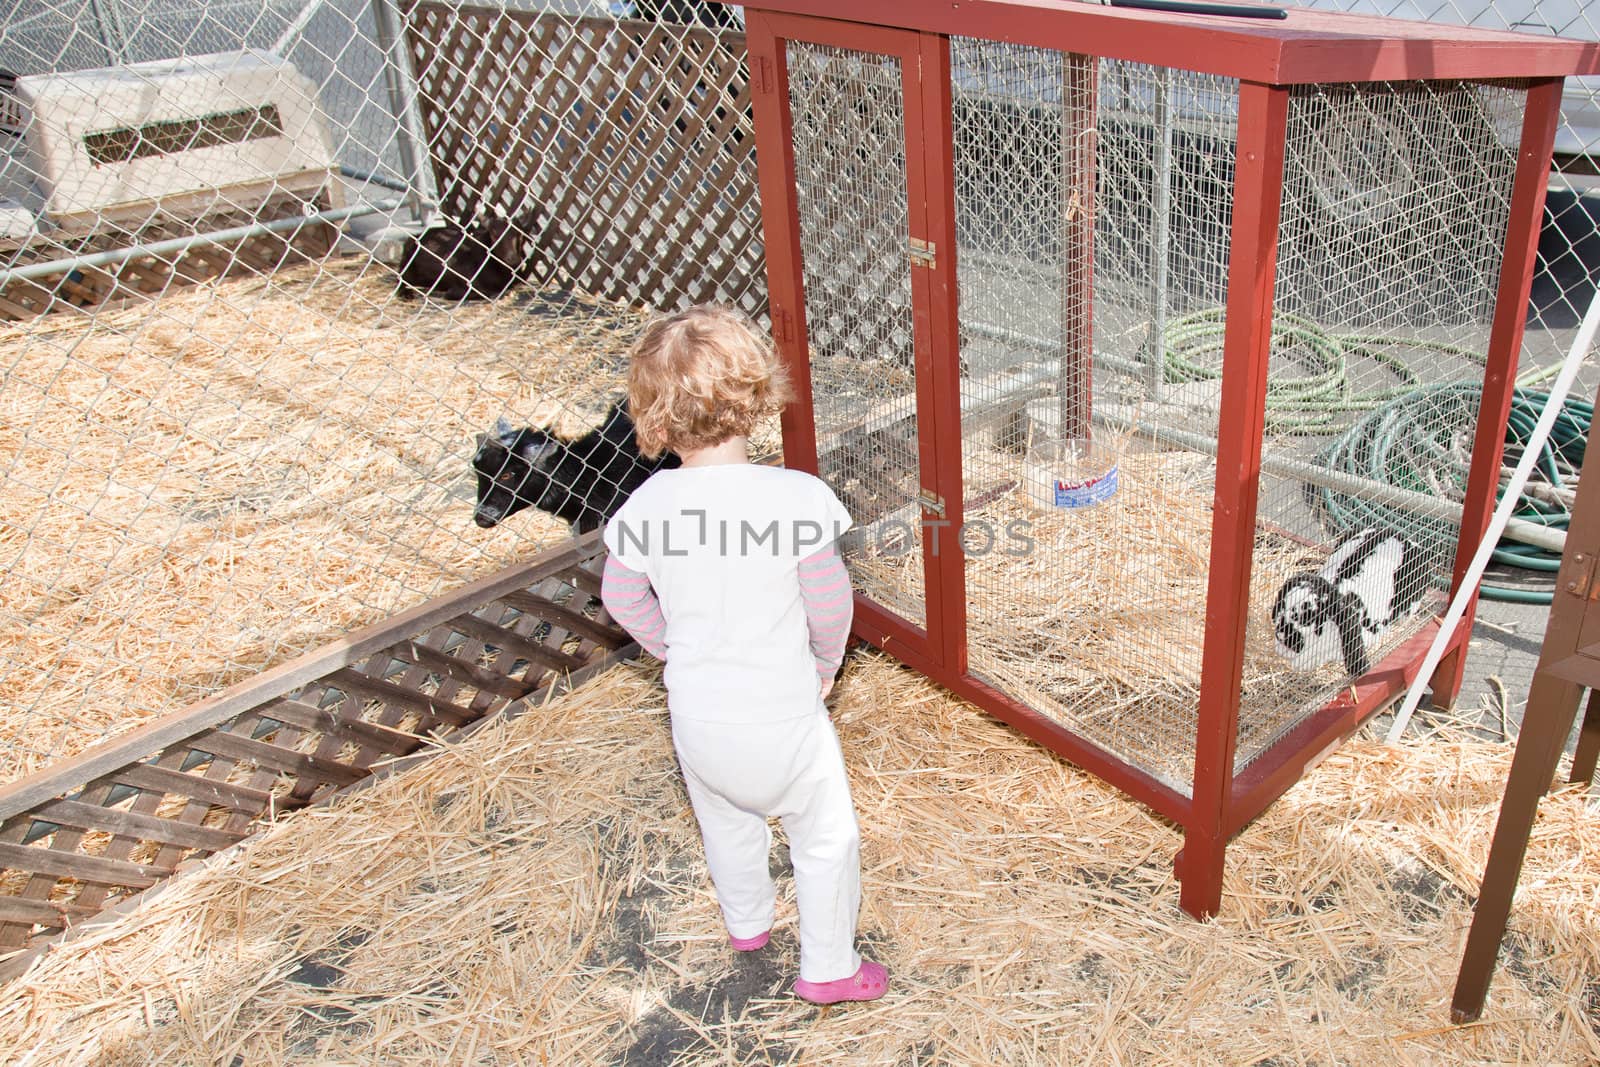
{"x": 701, "y": 376}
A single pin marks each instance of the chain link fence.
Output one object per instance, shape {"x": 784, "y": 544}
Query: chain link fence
{"x": 230, "y": 433}
{"x": 241, "y": 416}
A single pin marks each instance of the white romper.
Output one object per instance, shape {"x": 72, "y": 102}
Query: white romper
{"x": 722, "y": 548}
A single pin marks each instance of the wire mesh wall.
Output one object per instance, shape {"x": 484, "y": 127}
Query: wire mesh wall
{"x": 1394, "y": 212}
{"x": 1396, "y": 201}
{"x": 222, "y": 449}
{"x": 1087, "y": 608}
{"x": 850, "y": 169}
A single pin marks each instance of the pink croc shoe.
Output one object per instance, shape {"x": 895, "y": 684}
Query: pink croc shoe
{"x": 750, "y": 944}
{"x": 869, "y": 982}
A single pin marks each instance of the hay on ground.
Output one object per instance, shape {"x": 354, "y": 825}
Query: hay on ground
{"x": 537, "y": 894}
{"x": 208, "y": 484}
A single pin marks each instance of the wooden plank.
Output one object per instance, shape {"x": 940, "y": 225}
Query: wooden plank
{"x": 83, "y": 868}
{"x": 263, "y": 754}
{"x": 583, "y": 579}
{"x": 132, "y": 824}
{"x": 459, "y": 669}
{"x": 69, "y": 774}
{"x": 330, "y": 722}
{"x": 600, "y": 633}
{"x": 41, "y": 913}
{"x": 361, "y": 685}
{"x": 162, "y": 780}
{"x": 512, "y": 642}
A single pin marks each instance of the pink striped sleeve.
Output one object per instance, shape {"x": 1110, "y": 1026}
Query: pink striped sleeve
{"x": 825, "y": 594}
{"x": 628, "y": 597}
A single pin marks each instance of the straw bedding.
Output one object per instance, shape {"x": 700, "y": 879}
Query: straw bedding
{"x": 206, "y": 485}
{"x": 536, "y": 894}
{"x": 1097, "y": 618}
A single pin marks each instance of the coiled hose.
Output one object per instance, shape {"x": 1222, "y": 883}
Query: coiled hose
{"x": 1421, "y": 441}
{"x": 1411, "y": 436}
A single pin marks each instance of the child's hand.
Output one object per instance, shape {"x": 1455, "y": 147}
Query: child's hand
{"x": 827, "y": 687}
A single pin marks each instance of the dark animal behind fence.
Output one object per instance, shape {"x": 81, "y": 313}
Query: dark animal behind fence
{"x": 481, "y": 260}
{"x": 583, "y": 482}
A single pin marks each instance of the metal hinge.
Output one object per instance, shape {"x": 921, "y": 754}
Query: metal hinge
{"x": 923, "y": 253}
{"x": 763, "y": 75}
{"x": 931, "y": 501}
{"x": 1582, "y": 585}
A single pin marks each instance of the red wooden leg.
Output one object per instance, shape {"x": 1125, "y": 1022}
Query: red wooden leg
{"x": 1583, "y": 761}
{"x": 1449, "y": 676}
{"x": 1199, "y": 868}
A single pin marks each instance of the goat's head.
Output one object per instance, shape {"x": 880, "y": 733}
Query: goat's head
{"x": 513, "y": 468}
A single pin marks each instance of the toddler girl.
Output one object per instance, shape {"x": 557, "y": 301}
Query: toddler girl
{"x": 728, "y": 573}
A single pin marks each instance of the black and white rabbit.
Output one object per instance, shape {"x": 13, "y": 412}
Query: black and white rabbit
{"x": 1372, "y": 578}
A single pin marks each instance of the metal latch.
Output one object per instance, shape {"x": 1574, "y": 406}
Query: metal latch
{"x": 922, "y": 252}
{"x": 931, "y": 501}
{"x": 1582, "y": 585}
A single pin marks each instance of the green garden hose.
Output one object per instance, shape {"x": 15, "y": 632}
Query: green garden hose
{"x": 1420, "y": 441}
{"x": 1411, "y": 436}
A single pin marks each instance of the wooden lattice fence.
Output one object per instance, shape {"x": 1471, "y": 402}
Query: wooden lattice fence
{"x": 623, "y": 148}
{"x": 96, "y": 830}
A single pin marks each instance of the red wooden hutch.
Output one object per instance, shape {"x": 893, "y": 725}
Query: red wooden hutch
{"x": 982, "y": 215}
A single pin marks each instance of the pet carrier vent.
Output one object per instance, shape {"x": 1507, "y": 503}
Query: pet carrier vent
{"x": 105, "y": 144}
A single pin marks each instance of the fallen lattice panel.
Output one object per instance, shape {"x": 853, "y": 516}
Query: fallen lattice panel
{"x": 95, "y": 830}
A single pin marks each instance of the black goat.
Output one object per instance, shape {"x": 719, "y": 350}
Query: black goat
{"x": 479, "y": 261}
{"x": 583, "y": 481}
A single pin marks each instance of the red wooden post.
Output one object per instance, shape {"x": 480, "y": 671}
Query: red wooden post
{"x": 928, "y": 193}
{"x": 939, "y": 391}
{"x": 1539, "y": 123}
{"x": 1252, "y": 272}
{"x": 780, "y": 221}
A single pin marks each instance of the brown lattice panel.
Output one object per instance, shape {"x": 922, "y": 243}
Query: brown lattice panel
{"x": 93, "y": 831}
{"x": 146, "y": 276}
{"x": 624, "y": 149}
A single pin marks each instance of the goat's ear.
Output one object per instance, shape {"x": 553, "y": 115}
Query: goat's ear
{"x": 504, "y": 432}
{"x": 540, "y": 449}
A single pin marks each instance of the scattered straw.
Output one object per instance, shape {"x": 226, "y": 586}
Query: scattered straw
{"x": 537, "y": 894}
{"x": 1095, "y": 616}
{"x": 206, "y": 485}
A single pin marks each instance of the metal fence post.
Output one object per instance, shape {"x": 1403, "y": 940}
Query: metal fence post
{"x": 401, "y": 83}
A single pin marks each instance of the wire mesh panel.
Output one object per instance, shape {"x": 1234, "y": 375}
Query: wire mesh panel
{"x": 219, "y": 451}
{"x": 1396, "y": 202}
{"x": 1086, "y": 544}
{"x": 850, "y": 178}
